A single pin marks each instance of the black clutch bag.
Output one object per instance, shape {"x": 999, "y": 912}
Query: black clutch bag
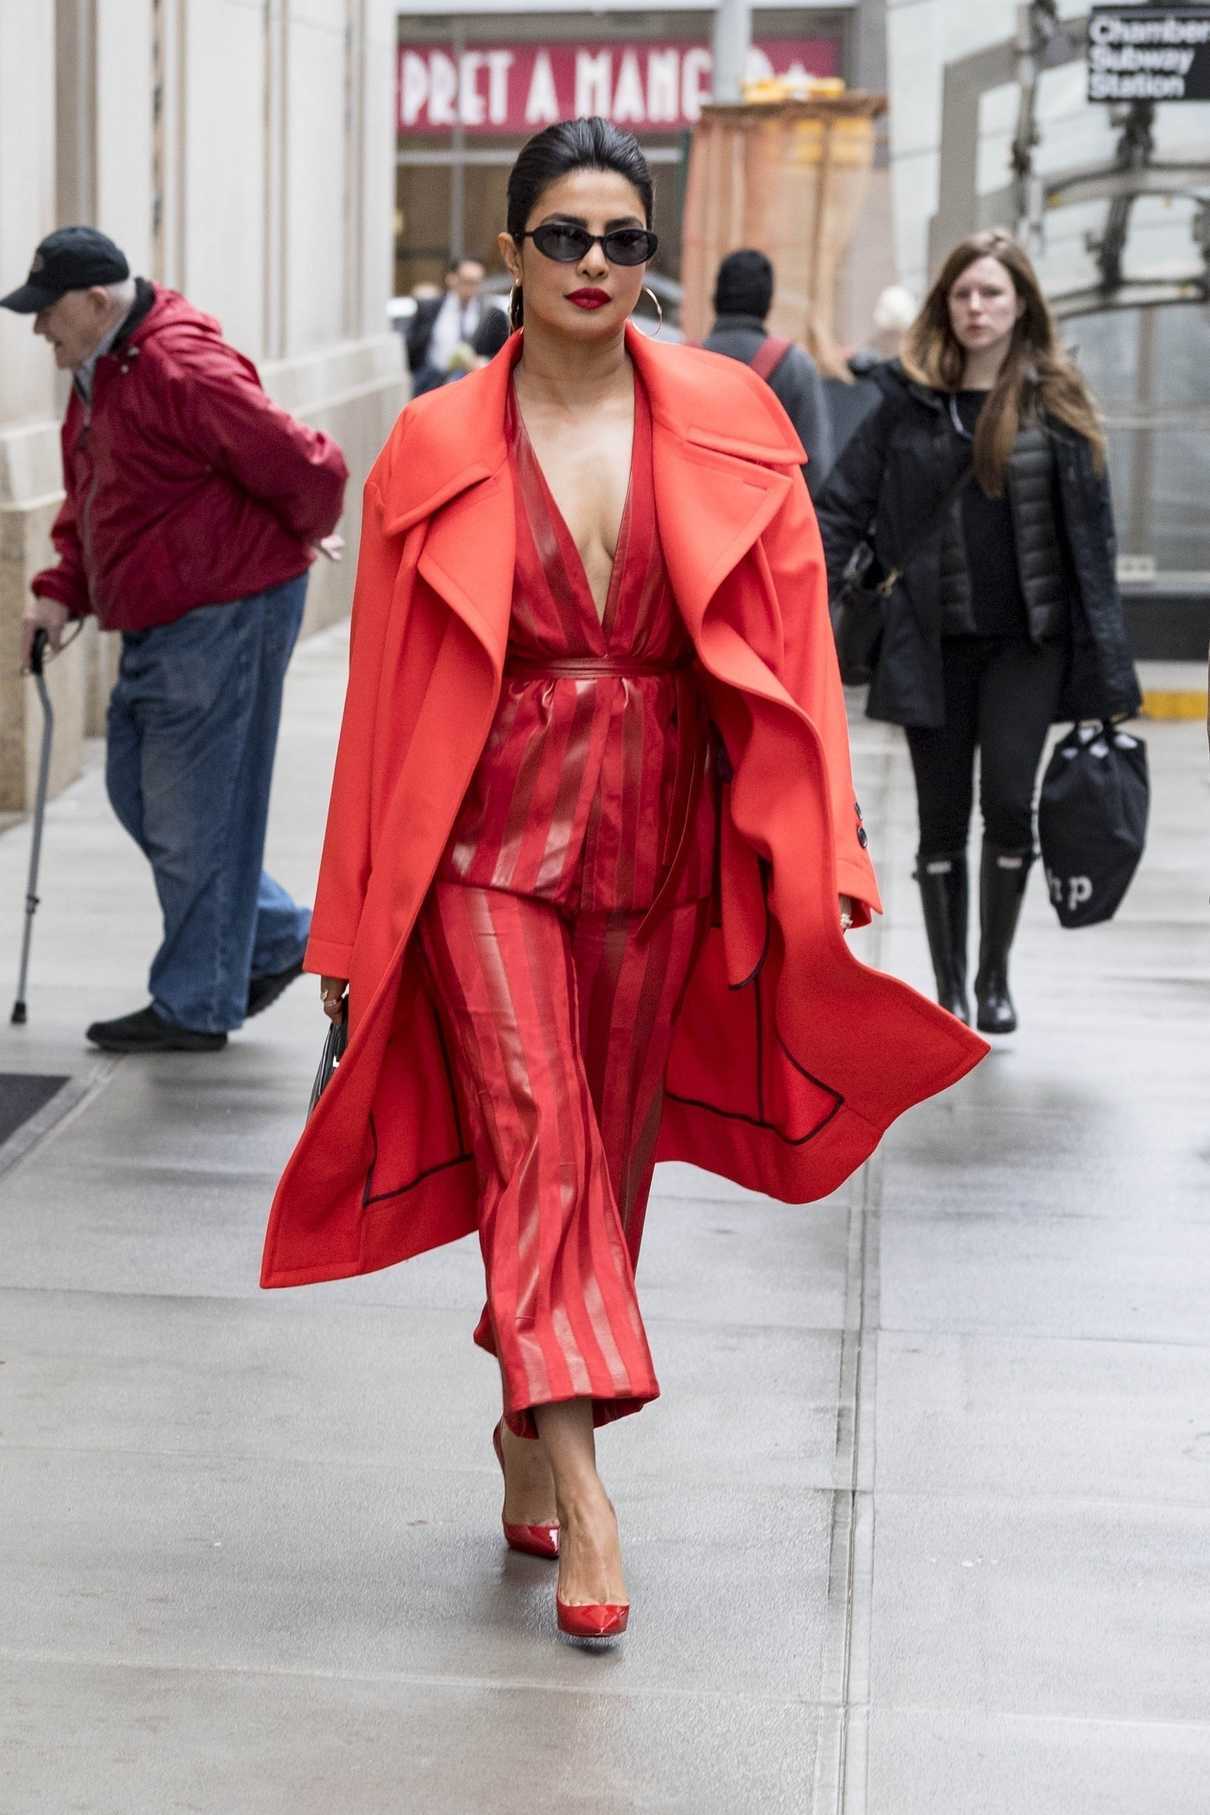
{"x": 333, "y": 1053}
{"x": 857, "y": 621}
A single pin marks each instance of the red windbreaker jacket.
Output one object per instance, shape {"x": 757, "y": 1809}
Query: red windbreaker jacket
{"x": 185, "y": 484}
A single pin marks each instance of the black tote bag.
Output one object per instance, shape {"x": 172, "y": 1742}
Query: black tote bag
{"x": 1092, "y": 821}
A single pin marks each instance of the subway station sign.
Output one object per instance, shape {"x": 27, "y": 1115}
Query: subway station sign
{"x": 519, "y": 88}
{"x": 1149, "y": 53}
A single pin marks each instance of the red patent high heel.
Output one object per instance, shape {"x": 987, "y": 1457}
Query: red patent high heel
{"x": 534, "y": 1540}
{"x": 592, "y": 1622}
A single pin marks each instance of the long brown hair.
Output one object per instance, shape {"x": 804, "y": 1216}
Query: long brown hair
{"x": 1037, "y": 377}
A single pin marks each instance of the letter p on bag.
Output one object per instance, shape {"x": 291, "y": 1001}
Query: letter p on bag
{"x": 1079, "y": 892}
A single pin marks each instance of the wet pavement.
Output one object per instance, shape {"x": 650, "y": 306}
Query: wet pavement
{"x": 920, "y": 1522}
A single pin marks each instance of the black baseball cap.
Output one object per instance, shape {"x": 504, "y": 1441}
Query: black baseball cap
{"x": 72, "y": 258}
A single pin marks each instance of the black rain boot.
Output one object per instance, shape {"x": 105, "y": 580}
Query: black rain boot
{"x": 1002, "y": 879}
{"x": 945, "y": 892}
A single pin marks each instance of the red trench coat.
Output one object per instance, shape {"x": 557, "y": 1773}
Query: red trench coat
{"x": 790, "y": 1057}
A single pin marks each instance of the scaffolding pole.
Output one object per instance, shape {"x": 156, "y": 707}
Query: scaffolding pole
{"x": 1038, "y": 28}
{"x": 732, "y": 41}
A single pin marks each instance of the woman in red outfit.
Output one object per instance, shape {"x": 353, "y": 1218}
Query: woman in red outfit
{"x": 591, "y": 804}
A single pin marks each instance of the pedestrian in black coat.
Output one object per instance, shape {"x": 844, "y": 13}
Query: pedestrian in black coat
{"x": 1008, "y": 617}
{"x": 743, "y": 296}
{"x": 852, "y": 394}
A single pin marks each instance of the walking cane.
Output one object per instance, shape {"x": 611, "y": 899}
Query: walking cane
{"x": 36, "y": 664}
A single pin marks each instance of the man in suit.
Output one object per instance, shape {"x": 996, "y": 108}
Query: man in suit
{"x": 443, "y": 323}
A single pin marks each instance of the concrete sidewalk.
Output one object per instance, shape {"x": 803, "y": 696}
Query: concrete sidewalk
{"x": 920, "y": 1524}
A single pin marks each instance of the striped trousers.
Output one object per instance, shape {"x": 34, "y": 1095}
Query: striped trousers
{"x": 560, "y": 1027}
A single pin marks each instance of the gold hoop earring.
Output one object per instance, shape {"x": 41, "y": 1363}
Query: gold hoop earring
{"x": 512, "y": 304}
{"x": 648, "y": 291}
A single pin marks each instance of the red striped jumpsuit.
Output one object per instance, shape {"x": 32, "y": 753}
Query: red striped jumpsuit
{"x": 559, "y": 933}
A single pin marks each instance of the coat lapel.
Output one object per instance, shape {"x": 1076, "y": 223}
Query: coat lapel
{"x": 455, "y": 564}
{"x": 719, "y": 481}
{"x": 463, "y": 494}
{"x": 711, "y": 507}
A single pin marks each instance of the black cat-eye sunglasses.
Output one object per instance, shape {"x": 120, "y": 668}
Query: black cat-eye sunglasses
{"x": 567, "y": 244}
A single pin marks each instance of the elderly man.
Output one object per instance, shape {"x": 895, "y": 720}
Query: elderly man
{"x": 194, "y": 506}
{"x": 743, "y": 296}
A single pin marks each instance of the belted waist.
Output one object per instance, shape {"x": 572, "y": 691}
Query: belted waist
{"x": 693, "y": 747}
{"x": 586, "y": 667}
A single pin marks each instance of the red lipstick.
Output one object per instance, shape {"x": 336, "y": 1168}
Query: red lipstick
{"x": 589, "y": 299}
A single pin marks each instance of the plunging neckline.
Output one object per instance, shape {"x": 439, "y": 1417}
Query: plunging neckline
{"x": 605, "y": 612}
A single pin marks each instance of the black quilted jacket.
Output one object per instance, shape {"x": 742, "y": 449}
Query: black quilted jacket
{"x": 889, "y": 479}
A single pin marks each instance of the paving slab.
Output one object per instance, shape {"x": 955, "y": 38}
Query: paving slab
{"x": 215, "y": 1377}
{"x": 1086, "y": 1608}
{"x": 1046, "y": 1273}
{"x": 923, "y": 1761}
{"x": 189, "y": 1742}
{"x": 963, "y": 1414}
{"x": 196, "y": 1562}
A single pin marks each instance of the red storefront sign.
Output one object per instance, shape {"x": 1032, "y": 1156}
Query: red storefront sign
{"x": 519, "y": 88}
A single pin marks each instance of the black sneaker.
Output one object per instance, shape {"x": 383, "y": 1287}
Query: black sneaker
{"x": 264, "y": 991}
{"x": 145, "y": 1031}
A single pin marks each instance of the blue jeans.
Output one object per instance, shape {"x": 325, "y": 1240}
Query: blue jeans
{"x": 191, "y": 737}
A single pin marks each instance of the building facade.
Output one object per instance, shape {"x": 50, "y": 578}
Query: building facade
{"x": 240, "y": 151}
{"x": 474, "y": 84}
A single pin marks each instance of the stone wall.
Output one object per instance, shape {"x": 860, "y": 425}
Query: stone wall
{"x": 241, "y": 151}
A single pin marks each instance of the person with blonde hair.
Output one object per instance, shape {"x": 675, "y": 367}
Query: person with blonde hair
{"x": 1006, "y": 615}
{"x": 894, "y": 313}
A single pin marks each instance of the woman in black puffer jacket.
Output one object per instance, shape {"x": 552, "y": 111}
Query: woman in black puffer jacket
{"x": 1008, "y": 617}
